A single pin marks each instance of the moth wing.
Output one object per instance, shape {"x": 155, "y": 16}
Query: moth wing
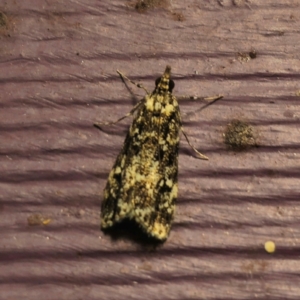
{"x": 143, "y": 182}
{"x": 113, "y": 204}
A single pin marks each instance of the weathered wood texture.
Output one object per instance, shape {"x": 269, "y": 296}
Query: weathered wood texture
{"x": 58, "y": 76}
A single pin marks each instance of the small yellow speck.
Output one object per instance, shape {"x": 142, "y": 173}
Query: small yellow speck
{"x": 270, "y": 247}
{"x": 118, "y": 170}
{"x": 46, "y": 222}
{"x": 169, "y": 183}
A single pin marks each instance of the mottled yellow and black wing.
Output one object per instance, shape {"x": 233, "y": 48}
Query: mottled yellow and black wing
{"x": 142, "y": 185}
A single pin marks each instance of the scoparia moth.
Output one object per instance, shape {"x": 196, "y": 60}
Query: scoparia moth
{"x": 142, "y": 185}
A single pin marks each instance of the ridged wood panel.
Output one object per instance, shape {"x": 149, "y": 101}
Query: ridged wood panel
{"x": 58, "y": 62}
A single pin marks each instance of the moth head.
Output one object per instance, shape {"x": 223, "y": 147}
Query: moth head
{"x": 171, "y": 83}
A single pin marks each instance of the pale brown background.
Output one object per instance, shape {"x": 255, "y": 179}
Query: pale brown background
{"x": 58, "y": 76}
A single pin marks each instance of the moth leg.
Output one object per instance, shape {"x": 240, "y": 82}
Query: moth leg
{"x": 210, "y": 99}
{"x": 200, "y": 155}
{"x": 98, "y": 124}
{"x": 139, "y": 85}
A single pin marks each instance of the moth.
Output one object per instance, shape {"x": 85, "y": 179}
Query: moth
{"x": 143, "y": 183}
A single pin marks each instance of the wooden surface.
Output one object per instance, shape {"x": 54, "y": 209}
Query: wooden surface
{"x": 58, "y": 76}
